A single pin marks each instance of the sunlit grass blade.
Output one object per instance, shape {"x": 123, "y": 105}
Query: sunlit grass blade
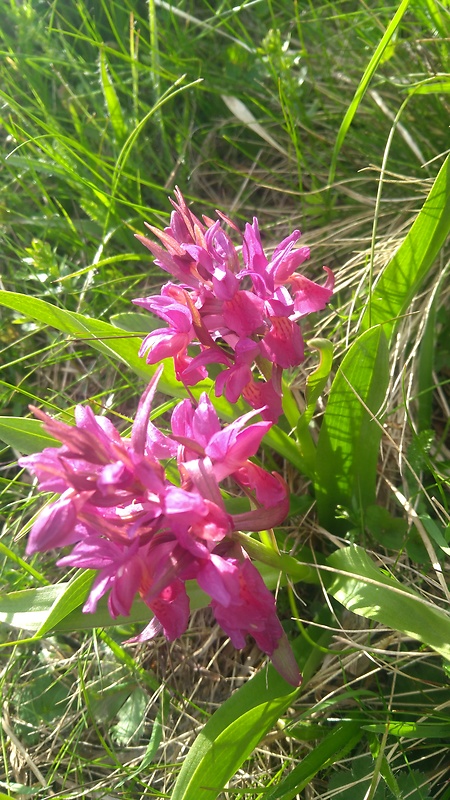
{"x": 111, "y": 99}
{"x": 363, "y": 85}
{"x": 336, "y": 744}
{"x": 402, "y": 277}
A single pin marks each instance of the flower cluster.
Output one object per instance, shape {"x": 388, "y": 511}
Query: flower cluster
{"x": 148, "y": 533}
{"x": 236, "y": 307}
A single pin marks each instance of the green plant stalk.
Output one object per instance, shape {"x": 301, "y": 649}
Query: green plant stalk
{"x": 282, "y": 561}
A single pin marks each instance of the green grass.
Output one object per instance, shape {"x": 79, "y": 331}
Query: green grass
{"x": 252, "y": 109}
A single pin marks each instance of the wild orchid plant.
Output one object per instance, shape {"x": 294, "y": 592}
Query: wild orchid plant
{"x": 144, "y": 530}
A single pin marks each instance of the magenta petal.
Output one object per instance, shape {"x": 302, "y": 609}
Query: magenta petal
{"x": 126, "y": 583}
{"x": 309, "y": 296}
{"x": 171, "y": 608}
{"x": 216, "y": 577}
{"x": 102, "y": 583}
{"x": 229, "y": 449}
{"x": 48, "y": 468}
{"x": 244, "y": 314}
{"x": 54, "y": 526}
{"x": 152, "y": 629}
{"x": 232, "y": 382}
{"x": 140, "y": 424}
{"x": 283, "y": 343}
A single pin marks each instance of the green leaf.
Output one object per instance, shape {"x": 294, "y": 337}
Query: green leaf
{"x": 29, "y": 608}
{"x": 435, "y": 533}
{"x": 133, "y": 322}
{"x": 111, "y": 100}
{"x": 316, "y": 381}
{"x": 349, "y": 439}
{"x": 368, "y": 592}
{"x": 389, "y": 531}
{"x": 433, "y": 87}
{"x": 131, "y": 717}
{"x": 230, "y": 735}
{"x": 100, "y": 335}
{"x": 25, "y": 434}
{"x": 71, "y": 598}
{"x": 238, "y": 725}
{"x": 364, "y": 84}
{"x": 403, "y": 276}
{"x": 339, "y": 741}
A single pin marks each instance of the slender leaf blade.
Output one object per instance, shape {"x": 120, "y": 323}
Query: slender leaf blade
{"x": 340, "y": 740}
{"x": 111, "y": 99}
{"x": 364, "y": 84}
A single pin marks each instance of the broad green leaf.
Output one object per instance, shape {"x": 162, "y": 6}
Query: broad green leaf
{"x": 105, "y": 337}
{"x": 227, "y": 740}
{"x": 111, "y": 100}
{"x": 29, "y": 608}
{"x": 100, "y": 335}
{"x": 72, "y": 597}
{"x": 368, "y": 592}
{"x": 349, "y": 439}
{"x": 25, "y": 434}
{"x": 339, "y": 741}
{"x": 403, "y": 276}
{"x": 133, "y": 322}
{"x": 364, "y": 84}
{"x": 238, "y": 725}
{"x": 58, "y": 607}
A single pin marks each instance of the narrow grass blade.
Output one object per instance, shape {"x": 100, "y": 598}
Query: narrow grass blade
{"x": 349, "y": 439}
{"x": 370, "y": 593}
{"x": 363, "y": 85}
{"x": 338, "y": 742}
{"x": 402, "y": 277}
{"x": 111, "y": 100}
{"x": 411, "y": 730}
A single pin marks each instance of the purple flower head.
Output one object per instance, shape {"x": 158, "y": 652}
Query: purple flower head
{"x": 240, "y": 306}
{"x": 146, "y": 533}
